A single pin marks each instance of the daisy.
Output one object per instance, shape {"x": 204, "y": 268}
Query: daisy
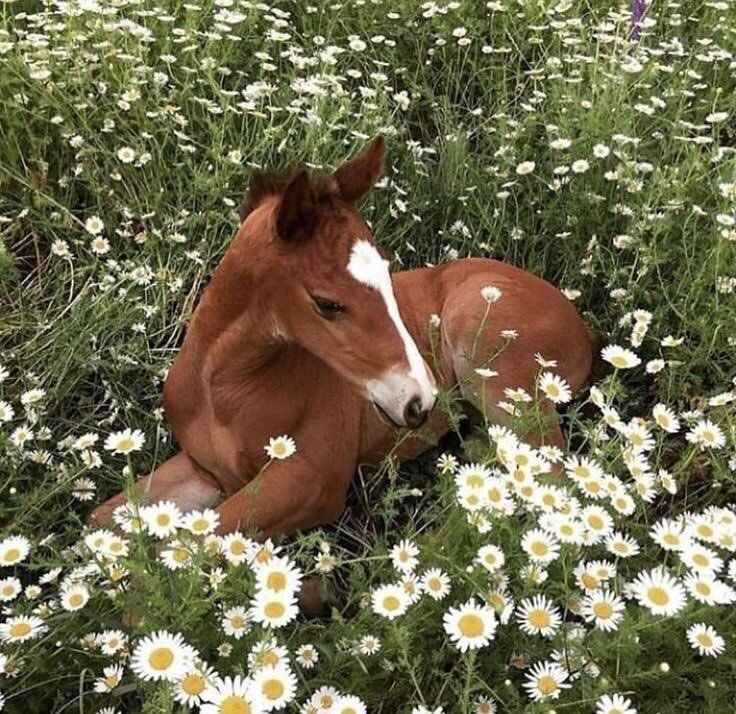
{"x": 177, "y": 557}
{"x": 391, "y": 601}
{"x": 125, "y": 442}
{"x": 273, "y": 610}
{"x": 502, "y": 605}
{"x": 555, "y": 388}
{"x": 201, "y": 522}
{"x": 9, "y": 589}
{"x": 447, "y": 463}
{"x": 94, "y": 225}
{"x": 659, "y": 592}
{"x": 525, "y": 167}
{"x": 161, "y": 656}
{"x": 14, "y": 550}
{"x": 538, "y": 616}
{"x": 307, "y": 656}
{"x": 111, "y": 642}
{"x": 666, "y": 419}
{"x": 621, "y": 545}
{"x": 162, "y": 519}
{"x": 597, "y": 520}
{"x": 471, "y": 499}
{"x": 268, "y": 653}
{"x": 546, "y": 680}
{"x": 491, "y": 557}
{"x": 669, "y": 534}
{"x": 705, "y": 640}
{"x": 280, "y": 447}
{"x": 706, "y": 434}
{"x": 484, "y": 705}
{"x": 235, "y": 547}
{"x": 620, "y": 357}
{"x": 403, "y": 556}
{"x": 369, "y": 645}
{"x": 471, "y": 625}
{"x": 6, "y": 412}
{"x": 196, "y": 680}
{"x": 349, "y": 704}
{"x": 279, "y": 575}
{"x": 604, "y": 608}
{"x": 614, "y": 704}
{"x": 700, "y": 558}
{"x": 235, "y": 622}
{"x": 472, "y": 475}
{"x": 540, "y": 546}
{"x": 21, "y": 628}
{"x": 231, "y": 695}
{"x": 435, "y": 583}
{"x": 74, "y": 597}
{"x": 274, "y": 686}
{"x": 325, "y": 699}
{"x": 111, "y": 678}
{"x": 411, "y": 586}
{"x": 705, "y": 588}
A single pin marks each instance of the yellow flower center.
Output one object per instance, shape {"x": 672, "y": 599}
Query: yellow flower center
{"x": 161, "y": 658}
{"x": 237, "y": 547}
{"x": 548, "y": 499}
{"x": 434, "y": 584}
{"x": 539, "y": 619}
{"x": 658, "y": 595}
{"x": 475, "y": 480}
{"x": 700, "y": 559}
{"x": 8, "y": 590}
{"x": 20, "y": 629}
{"x": 547, "y": 685}
{"x": 126, "y": 444}
{"x": 539, "y": 548}
{"x": 619, "y": 361}
{"x": 272, "y": 689}
{"x": 566, "y": 529}
{"x": 705, "y": 639}
{"x": 391, "y": 603}
{"x": 163, "y": 519}
{"x": 471, "y": 625}
{"x": 702, "y": 588}
{"x": 193, "y": 684}
{"x": 11, "y": 555}
{"x": 274, "y": 610}
{"x": 181, "y": 555}
{"x": 326, "y": 701}
{"x": 200, "y": 524}
{"x": 595, "y": 522}
{"x": 234, "y": 705}
{"x": 590, "y": 581}
{"x": 494, "y": 495}
{"x": 76, "y": 600}
{"x": 270, "y": 657}
{"x": 671, "y": 539}
{"x": 602, "y": 610}
{"x": 112, "y": 681}
{"x": 237, "y": 622}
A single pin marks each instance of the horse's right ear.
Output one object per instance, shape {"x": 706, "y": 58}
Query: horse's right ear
{"x": 295, "y": 217}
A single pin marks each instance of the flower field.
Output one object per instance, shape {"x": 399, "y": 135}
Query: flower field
{"x": 593, "y": 147}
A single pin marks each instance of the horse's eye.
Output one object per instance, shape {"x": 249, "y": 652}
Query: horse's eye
{"x": 328, "y": 308}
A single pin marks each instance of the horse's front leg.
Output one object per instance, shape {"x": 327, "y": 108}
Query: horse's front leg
{"x": 287, "y": 496}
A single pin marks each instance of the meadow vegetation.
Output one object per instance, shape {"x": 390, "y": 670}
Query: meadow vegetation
{"x": 476, "y": 579}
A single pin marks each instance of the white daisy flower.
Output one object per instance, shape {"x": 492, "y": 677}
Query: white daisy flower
{"x": 235, "y": 622}
{"x": 162, "y": 519}
{"x": 201, "y": 522}
{"x": 162, "y": 656}
{"x": 705, "y": 640}
{"x": 231, "y": 695}
{"x": 701, "y": 559}
{"x": 546, "y": 680}
{"x": 604, "y": 608}
{"x": 621, "y": 545}
{"x": 196, "y": 680}
{"x": 470, "y": 625}
{"x": 491, "y": 557}
{"x": 278, "y": 575}
{"x": 435, "y": 583}
{"x": 538, "y": 616}
{"x": 706, "y": 434}
{"x": 404, "y": 557}
{"x": 236, "y": 548}
{"x": 666, "y": 418}
{"x": 369, "y": 645}
{"x": 614, "y": 704}
{"x": 280, "y": 447}
{"x": 660, "y": 593}
{"x": 391, "y": 601}
{"x": 273, "y": 610}
{"x": 620, "y": 357}
{"x": 74, "y": 597}
{"x": 14, "y": 550}
{"x": 555, "y": 388}
{"x": 274, "y": 686}
{"x": 10, "y": 588}
{"x": 125, "y": 442}
{"x": 350, "y": 704}
{"x": 94, "y": 225}
{"x": 21, "y": 628}
{"x": 541, "y": 547}
{"x": 307, "y": 656}
{"x": 110, "y": 679}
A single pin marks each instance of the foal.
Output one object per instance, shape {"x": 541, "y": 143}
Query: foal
{"x": 303, "y": 331}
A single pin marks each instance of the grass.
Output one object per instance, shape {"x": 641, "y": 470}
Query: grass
{"x": 203, "y": 92}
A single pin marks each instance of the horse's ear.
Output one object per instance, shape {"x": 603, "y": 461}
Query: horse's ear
{"x": 358, "y": 176}
{"x": 296, "y": 214}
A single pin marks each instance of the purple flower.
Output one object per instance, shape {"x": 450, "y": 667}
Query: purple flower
{"x": 638, "y": 10}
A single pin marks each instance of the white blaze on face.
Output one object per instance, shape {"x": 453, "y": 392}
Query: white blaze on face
{"x": 394, "y": 389}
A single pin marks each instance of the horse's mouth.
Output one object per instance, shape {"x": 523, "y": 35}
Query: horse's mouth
{"x": 384, "y": 417}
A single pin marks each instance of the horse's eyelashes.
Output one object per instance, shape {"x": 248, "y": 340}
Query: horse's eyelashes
{"x": 327, "y": 308}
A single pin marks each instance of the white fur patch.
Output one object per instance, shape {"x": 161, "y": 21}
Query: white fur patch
{"x": 368, "y": 267}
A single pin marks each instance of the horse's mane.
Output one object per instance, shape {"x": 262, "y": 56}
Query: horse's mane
{"x": 273, "y": 183}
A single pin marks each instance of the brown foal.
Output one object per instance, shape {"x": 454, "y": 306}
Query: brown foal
{"x": 302, "y": 331}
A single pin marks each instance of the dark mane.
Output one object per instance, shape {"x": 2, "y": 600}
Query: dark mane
{"x": 272, "y": 183}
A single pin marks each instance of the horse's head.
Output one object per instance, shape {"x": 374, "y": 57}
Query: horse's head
{"x": 326, "y": 286}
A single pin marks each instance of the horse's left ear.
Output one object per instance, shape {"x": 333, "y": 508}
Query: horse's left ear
{"x": 357, "y": 177}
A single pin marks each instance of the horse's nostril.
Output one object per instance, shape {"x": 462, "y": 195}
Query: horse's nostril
{"x": 414, "y": 415}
